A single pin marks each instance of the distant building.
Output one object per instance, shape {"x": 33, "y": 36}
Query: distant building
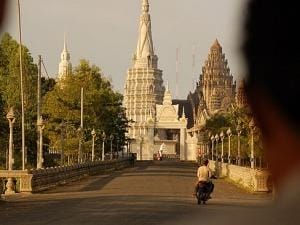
{"x": 241, "y": 98}
{"x": 65, "y": 65}
{"x": 215, "y": 91}
{"x": 144, "y": 84}
{"x": 154, "y": 119}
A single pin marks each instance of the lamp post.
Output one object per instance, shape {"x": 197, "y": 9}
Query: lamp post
{"x": 93, "y": 133}
{"x": 62, "y": 154}
{"x": 212, "y": 147}
{"x": 229, "y": 133}
{"x": 11, "y": 119}
{"x": 21, "y": 87}
{"x": 252, "y": 129}
{"x": 111, "y": 137}
{"x": 103, "y": 144}
{"x": 239, "y": 131}
{"x": 79, "y": 133}
{"x": 222, "y": 136}
{"x": 217, "y": 138}
{"x": 40, "y": 158}
{"x": 118, "y": 147}
{"x": 206, "y": 144}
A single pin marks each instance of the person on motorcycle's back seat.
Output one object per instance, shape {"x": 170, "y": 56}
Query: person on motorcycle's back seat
{"x": 204, "y": 174}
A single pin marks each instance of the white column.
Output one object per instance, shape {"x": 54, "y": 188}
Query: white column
{"x": 182, "y": 144}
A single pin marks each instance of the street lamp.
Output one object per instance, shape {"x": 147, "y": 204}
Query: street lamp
{"x": 62, "y": 130}
{"x": 229, "y": 133}
{"x": 11, "y": 119}
{"x": 252, "y": 128}
{"x": 40, "y": 158}
{"x": 212, "y": 147}
{"x": 239, "y": 131}
{"x": 111, "y": 137}
{"x": 79, "y": 133}
{"x": 222, "y": 136}
{"x": 93, "y": 133}
{"x": 118, "y": 139}
{"x": 217, "y": 138}
{"x": 103, "y": 144}
{"x": 207, "y": 144}
{"x": 21, "y": 86}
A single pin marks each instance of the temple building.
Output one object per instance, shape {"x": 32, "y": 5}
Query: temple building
{"x": 144, "y": 84}
{"x": 215, "y": 91}
{"x": 159, "y": 122}
{"x": 155, "y": 121}
{"x": 241, "y": 98}
{"x": 65, "y": 66}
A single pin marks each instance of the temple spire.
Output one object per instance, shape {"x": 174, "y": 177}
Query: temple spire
{"x": 65, "y": 66}
{"x": 145, "y": 7}
{"x": 144, "y": 56}
{"x": 183, "y": 113}
{"x": 65, "y": 44}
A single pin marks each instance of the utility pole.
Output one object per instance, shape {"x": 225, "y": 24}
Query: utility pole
{"x": 194, "y": 66}
{"x": 81, "y": 120}
{"x": 81, "y": 129}
{"x": 39, "y": 109}
{"x": 21, "y": 85}
{"x": 177, "y": 72}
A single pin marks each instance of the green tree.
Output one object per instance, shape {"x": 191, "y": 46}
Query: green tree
{"x": 102, "y": 108}
{"x": 223, "y": 121}
{"x": 10, "y": 93}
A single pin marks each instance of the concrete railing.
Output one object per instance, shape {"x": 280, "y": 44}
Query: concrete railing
{"x": 43, "y": 179}
{"x": 256, "y": 180}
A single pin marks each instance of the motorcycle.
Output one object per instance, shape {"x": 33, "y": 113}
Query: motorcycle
{"x": 203, "y": 193}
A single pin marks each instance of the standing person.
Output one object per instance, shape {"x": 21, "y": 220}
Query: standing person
{"x": 132, "y": 159}
{"x": 160, "y": 152}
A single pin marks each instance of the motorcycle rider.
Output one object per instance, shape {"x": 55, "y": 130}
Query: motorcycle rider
{"x": 204, "y": 174}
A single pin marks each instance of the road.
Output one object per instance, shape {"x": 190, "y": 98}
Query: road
{"x": 150, "y": 193}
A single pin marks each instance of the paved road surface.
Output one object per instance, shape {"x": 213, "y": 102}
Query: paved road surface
{"x": 151, "y": 193}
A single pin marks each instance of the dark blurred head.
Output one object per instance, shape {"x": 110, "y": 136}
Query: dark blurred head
{"x": 2, "y": 10}
{"x": 272, "y": 52}
{"x": 205, "y": 162}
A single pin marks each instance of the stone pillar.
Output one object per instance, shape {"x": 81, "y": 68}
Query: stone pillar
{"x": 183, "y": 155}
{"x": 150, "y": 140}
{"x": 192, "y": 148}
{"x": 10, "y": 187}
{"x": 139, "y": 148}
{"x": 261, "y": 181}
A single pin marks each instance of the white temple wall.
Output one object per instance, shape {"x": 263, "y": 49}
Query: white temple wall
{"x": 191, "y": 148}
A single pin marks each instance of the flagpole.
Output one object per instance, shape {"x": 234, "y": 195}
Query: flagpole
{"x": 22, "y": 91}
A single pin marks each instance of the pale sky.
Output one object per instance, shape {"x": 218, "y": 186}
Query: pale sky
{"x": 105, "y": 32}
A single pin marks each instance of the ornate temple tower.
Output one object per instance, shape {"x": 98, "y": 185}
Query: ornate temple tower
{"x": 216, "y": 82}
{"x": 65, "y": 66}
{"x": 241, "y": 98}
{"x": 144, "y": 85}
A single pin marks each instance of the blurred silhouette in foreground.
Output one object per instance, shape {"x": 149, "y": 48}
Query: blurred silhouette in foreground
{"x": 271, "y": 50}
{"x": 272, "y": 54}
{"x": 2, "y": 11}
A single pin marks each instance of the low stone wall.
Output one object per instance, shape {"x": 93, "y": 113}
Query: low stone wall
{"x": 43, "y": 179}
{"x": 256, "y": 180}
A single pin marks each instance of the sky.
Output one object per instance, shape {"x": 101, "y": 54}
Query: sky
{"x": 105, "y": 32}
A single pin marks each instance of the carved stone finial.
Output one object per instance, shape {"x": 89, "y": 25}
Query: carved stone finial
{"x": 145, "y": 7}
